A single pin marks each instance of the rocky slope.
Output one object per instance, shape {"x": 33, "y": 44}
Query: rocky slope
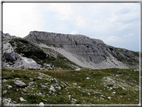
{"x": 85, "y": 52}
{"x": 44, "y": 50}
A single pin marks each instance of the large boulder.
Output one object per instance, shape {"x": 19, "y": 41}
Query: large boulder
{"x": 8, "y": 52}
{"x": 30, "y": 63}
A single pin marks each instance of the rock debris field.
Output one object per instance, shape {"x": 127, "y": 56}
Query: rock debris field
{"x": 41, "y": 87}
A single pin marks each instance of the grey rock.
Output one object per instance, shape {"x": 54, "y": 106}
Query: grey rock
{"x": 9, "y": 86}
{"x": 94, "y": 51}
{"x": 4, "y": 91}
{"x": 7, "y": 101}
{"x": 30, "y": 63}
{"x": 22, "y": 99}
{"x": 20, "y": 83}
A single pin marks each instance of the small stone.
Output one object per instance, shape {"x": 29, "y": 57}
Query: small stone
{"x": 89, "y": 94}
{"x": 20, "y": 83}
{"x": 4, "y": 80}
{"x": 5, "y": 91}
{"x": 52, "y": 88}
{"x": 7, "y": 101}
{"x": 113, "y": 93}
{"x": 79, "y": 86}
{"x": 41, "y": 104}
{"x": 109, "y": 98}
{"x": 9, "y": 86}
{"x": 22, "y": 100}
{"x": 69, "y": 96}
{"x": 31, "y": 79}
{"x": 74, "y": 83}
{"x": 59, "y": 88}
{"x": 87, "y": 78}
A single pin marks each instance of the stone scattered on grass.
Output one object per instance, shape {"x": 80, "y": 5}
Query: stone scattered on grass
{"x": 5, "y": 91}
{"x": 69, "y": 96}
{"x": 52, "y": 88}
{"x": 20, "y": 83}
{"x": 58, "y": 87}
{"x": 113, "y": 93}
{"x": 74, "y": 83}
{"x": 41, "y": 104}
{"x": 9, "y": 86}
{"x": 73, "y": 100}
{"x": 79, "y": 86}
{"x": 22, "y": 99}
{"x": 109, "y": 98}
{"x": 7, "y": 101}
{"x": 89, "y": 94}
{"x": 88, "y": 78}
{"x": 4, "y": 80}
{"x": 31, "y": 79}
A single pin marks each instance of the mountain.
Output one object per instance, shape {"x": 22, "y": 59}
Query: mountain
{"x": 46, "y": 50}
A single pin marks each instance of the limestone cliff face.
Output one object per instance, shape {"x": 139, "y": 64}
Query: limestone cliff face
{"x": 94, "y": 51}
{"x": 80, "y": 45}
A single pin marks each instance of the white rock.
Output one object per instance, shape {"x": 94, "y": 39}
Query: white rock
{"x": 30, "y": 63}
{"x": 7, "y": 101}
{"x": 41, "y": 104}
{"x": 87, "y": 78}
{"x": 20, "y": 83}
{"x": 5, "y": 91}
{"x": 59, "y": 88}
{"x": 22, "y": 100}
{"x": 77, "y": 69}
{"x": 79, "y": 86}
{"x": 69, "y": 96}
{"x": 113, "y": 93}
{"x": 74, "y": 83}
{"x": 9, "y": 86}
{"x": 52, "y": 88}
{"x": 109, "y": 98}
{"x": 4, "y": 80}
{"x": 89, "y": 94}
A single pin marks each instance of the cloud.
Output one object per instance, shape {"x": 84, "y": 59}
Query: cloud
{"x": 112, "y": 39}
{"x": 80, "y": 21}
{"x": 63, "y": 10}
{"x": 20, "y": 18}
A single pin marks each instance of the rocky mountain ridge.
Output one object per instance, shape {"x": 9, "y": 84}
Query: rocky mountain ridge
{"x": 87, "y": 50}
{"x": 46, "y": 50}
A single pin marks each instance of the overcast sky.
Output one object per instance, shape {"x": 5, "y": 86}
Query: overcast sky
{"x": 117, "y": 24}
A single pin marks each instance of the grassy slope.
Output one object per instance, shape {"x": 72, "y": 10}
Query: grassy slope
{"x": 75, "y": 83}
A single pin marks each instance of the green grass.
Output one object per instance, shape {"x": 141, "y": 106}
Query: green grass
{"x": 83, "y": 91}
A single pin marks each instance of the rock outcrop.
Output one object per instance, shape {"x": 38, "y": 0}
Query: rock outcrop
{"x": 13, "y": 60}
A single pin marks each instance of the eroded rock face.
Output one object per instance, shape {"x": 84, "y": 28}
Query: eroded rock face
{"x": 94, "y": 51}
{"x": 80, "y": 45}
